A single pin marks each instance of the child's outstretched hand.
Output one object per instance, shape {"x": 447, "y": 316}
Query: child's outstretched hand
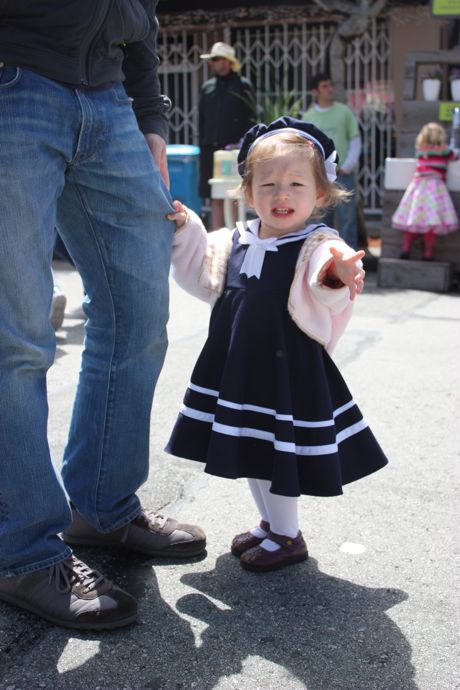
{"x": 348, "y": 270}
{"x": 180, "y": 216}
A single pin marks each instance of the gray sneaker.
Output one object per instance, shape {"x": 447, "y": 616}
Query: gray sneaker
{"x": 72, "y": 595}
{"x": 149, "y": 533}
{"x": 57, "y": 308}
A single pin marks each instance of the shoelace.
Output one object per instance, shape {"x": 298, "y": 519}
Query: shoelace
{"x": 155, "y": 518}
{"x": 72, "y": 571}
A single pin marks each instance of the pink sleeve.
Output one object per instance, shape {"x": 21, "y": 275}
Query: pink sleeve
{"x": 188, "y": 251}
{"x": 321, "y": 312}
{"x": 199, "y": 258}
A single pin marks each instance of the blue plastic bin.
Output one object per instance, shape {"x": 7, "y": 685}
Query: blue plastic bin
{"x": 183, "y": 162}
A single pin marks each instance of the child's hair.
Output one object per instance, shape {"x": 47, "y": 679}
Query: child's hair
{"x": 431, "y": 134}
{"x": 290, "y": 142}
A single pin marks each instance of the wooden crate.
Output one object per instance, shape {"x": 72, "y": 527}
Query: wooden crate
{"x": 434, "y": 276}
{"x": 447, "y": 248}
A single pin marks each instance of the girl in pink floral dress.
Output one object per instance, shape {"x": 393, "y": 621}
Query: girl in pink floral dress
{"x": 426, "y": 207}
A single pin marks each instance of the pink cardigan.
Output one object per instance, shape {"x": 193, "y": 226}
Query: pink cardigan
{"x": 199, "y": 266}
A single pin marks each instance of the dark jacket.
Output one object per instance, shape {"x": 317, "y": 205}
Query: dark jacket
{"x": 88, "y": 43}
{"x": 225, "y": 111}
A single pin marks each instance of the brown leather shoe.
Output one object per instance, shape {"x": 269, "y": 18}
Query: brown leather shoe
{"x": 247, "y": 540}
{"x": 149, "y": 533}
{"x": 72, "y": 595}
{"x": 293, "y": 550}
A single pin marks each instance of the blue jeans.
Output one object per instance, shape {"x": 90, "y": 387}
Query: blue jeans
{"x": 76, "y": 160}
{"x": 346, "y": 213}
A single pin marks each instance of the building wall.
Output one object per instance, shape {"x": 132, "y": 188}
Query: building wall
{"x": 410, "y": 29}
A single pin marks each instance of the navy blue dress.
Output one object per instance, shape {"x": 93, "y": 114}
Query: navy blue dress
{"x": 265, "y": 400}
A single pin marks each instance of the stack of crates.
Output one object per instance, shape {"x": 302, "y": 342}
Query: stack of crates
{"x": 183, "y": 166}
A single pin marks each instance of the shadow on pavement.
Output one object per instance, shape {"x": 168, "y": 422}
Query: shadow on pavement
{"x": 321, "y": 633}
{"x": 326, "y": 632}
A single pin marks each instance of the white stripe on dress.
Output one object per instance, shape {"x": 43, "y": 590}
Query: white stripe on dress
{"x": 269, "y": 411}
{"x": 274, "y": 413}
{"x": 200, "y": 389}
{"x": 343, "y": 408}
{"x": 351, "y": 430}
{"x": 197, "y": 414}
{"x": 284, "y": 446}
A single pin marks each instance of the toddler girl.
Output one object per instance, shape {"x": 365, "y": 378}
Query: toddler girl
{"x": 426, "y": 207}
{"x": 265, "y": 399}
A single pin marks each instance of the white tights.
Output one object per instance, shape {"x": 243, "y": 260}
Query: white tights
{"x": 279, "y": 511}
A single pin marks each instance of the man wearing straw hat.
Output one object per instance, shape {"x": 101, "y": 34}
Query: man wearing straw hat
{"x": 226, "y": 111}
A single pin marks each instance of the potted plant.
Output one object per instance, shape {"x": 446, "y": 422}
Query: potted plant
{"x": 454, "y": 78}
{"x": 273, "y": 106}
{"x": 431, "y": 84}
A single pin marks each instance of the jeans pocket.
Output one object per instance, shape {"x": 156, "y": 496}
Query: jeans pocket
{"x": 120, "y": 96}
{"x": 9, "y": 75}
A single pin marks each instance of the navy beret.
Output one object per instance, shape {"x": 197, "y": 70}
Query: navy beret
{"x": 307, "y": 129}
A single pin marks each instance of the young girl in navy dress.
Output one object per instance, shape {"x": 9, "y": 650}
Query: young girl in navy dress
{"x": 426, "y": 208}
{"x": 265, "y": 400}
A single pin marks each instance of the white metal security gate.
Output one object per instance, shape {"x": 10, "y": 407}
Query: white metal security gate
{"x": 280, "y": 60}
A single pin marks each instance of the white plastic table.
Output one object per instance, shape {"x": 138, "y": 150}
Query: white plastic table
{"x": 399, "y": 171}
{"x": 222, "y": 188}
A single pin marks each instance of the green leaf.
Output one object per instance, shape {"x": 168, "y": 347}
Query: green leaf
{"x": 271, "y": 106}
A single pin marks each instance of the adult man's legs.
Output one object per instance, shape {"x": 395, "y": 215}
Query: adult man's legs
{"x": 347, "y": 223}
{"x": 38, "y": 127}
{"x": 112, "y": 217}
{"x": 32, "y": 159}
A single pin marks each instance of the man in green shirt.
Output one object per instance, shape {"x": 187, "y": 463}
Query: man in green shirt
{"x": 338, "y": 122}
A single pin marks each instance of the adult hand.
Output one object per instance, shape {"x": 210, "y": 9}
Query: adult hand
{"x": 157, "y": 146}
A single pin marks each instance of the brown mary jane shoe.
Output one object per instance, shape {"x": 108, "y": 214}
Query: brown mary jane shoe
{"x": 292, "y": 550}
{"x": 245, "y": 541}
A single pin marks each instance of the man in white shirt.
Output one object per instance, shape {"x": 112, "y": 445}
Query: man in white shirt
{"x": 339, "y": 123}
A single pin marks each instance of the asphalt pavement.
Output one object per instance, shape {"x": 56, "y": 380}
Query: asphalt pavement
{"x": 376, "y": 605}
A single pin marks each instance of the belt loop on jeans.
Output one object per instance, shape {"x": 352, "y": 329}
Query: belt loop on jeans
{"x": 100, "y": 87}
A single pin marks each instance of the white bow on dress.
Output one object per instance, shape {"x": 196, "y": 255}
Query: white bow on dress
{"x": 254, "y": 259}
{"x": 255, "y": 255}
